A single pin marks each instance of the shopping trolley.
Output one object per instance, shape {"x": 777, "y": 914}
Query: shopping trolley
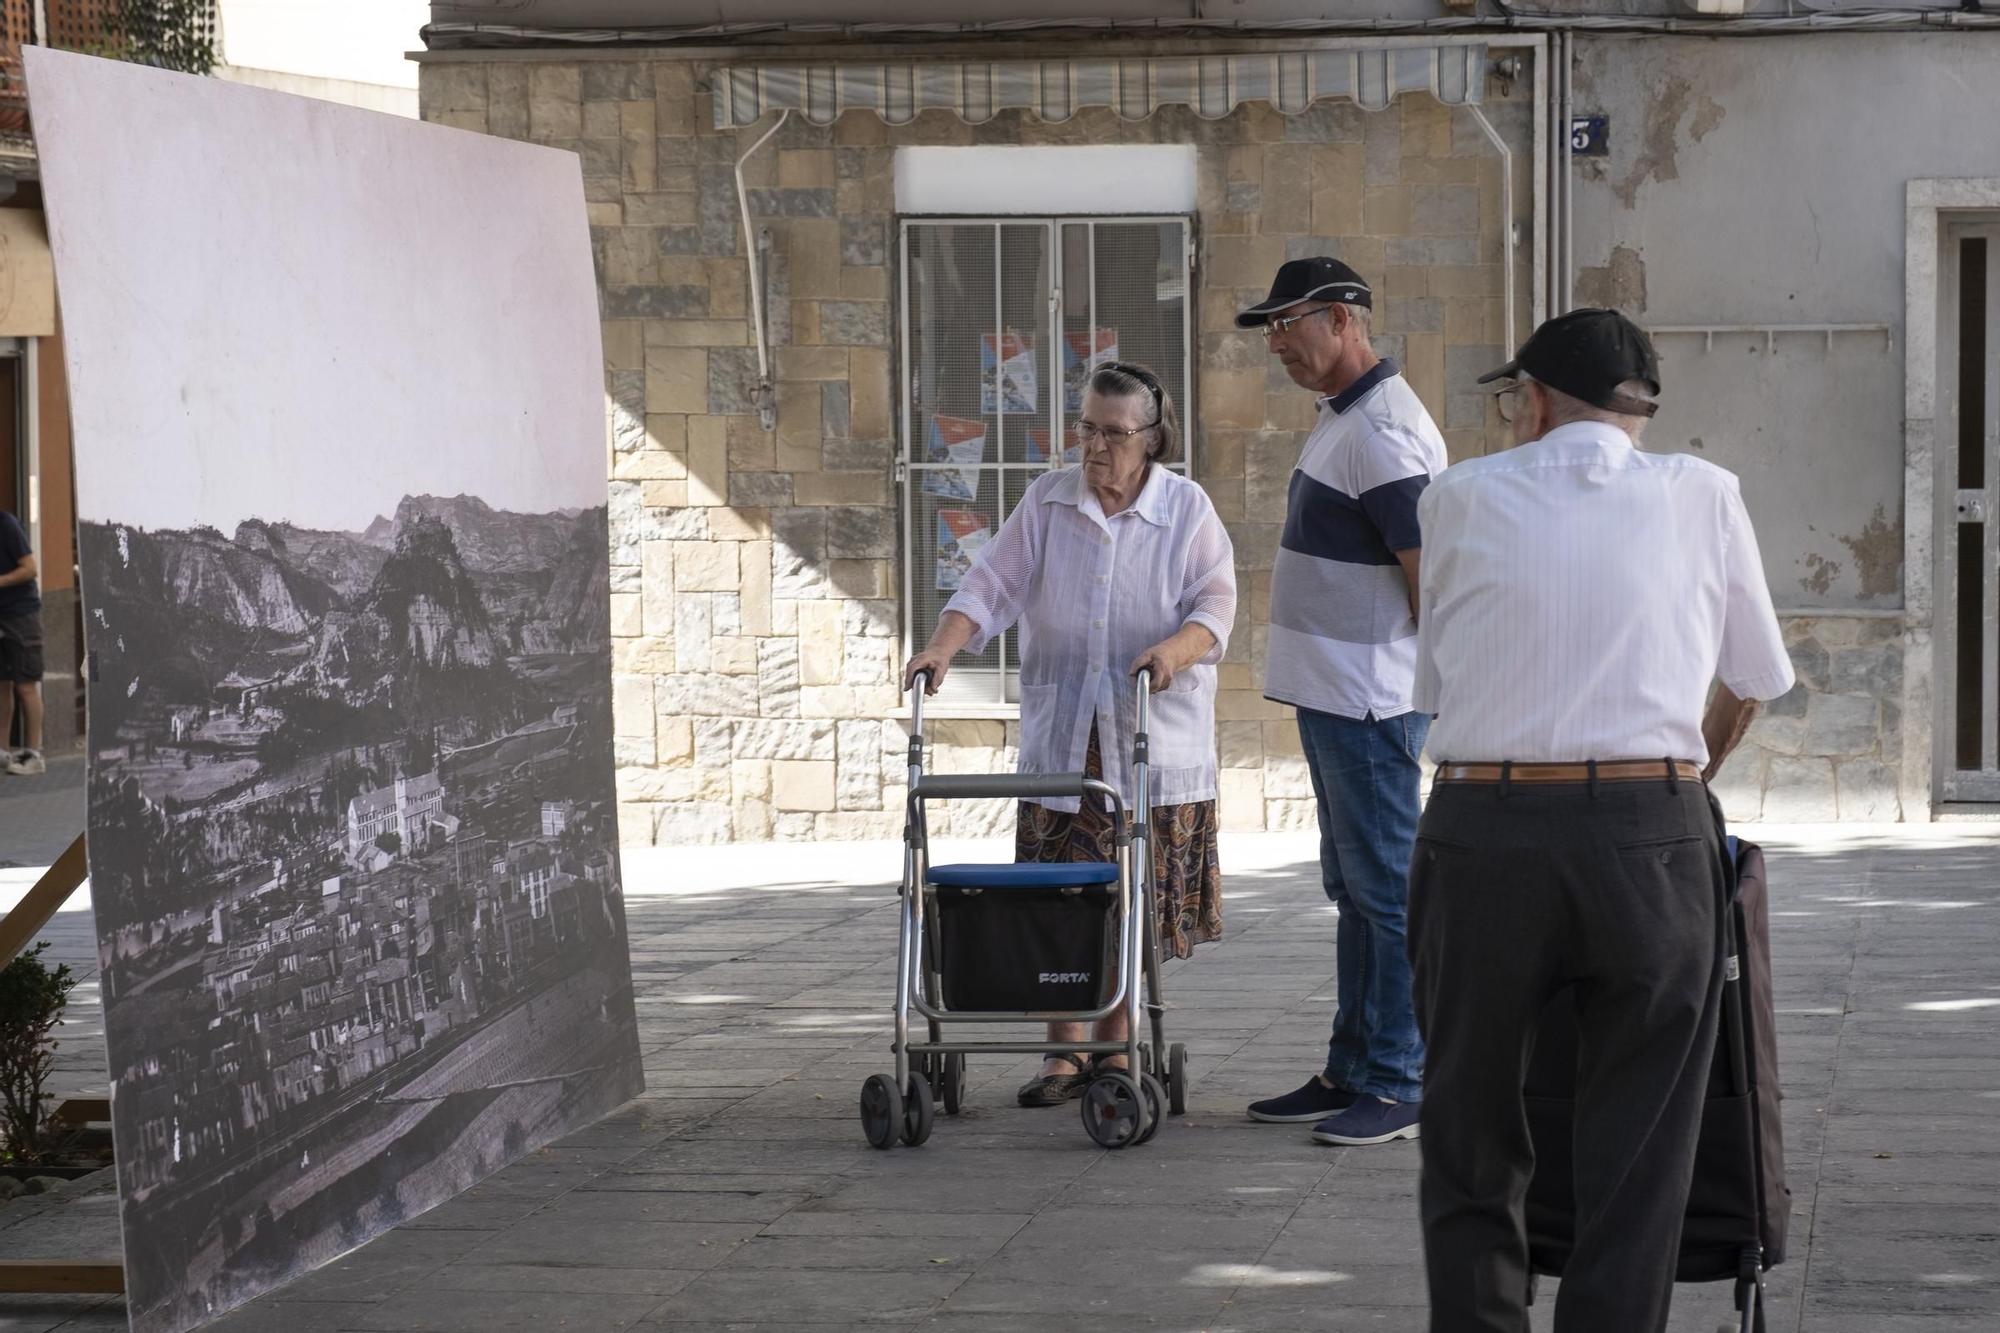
{"x": 1739, "y": 1204}
{"x": 1067, "y": 942}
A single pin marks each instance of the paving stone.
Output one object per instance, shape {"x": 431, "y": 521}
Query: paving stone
{"x": 854, "y": 1296}
{"x": 764, "y": 1003}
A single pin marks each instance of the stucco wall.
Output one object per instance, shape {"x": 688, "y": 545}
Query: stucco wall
{"x": 1761, "y": 183}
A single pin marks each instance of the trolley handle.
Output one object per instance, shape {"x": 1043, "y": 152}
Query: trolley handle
{"x": 1143, "y": 689}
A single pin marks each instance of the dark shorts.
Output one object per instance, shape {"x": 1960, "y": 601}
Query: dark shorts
{"x": 21, "y": 648}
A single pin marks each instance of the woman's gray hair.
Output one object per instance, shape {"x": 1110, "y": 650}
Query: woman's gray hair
{"x": 1128, "y": 379}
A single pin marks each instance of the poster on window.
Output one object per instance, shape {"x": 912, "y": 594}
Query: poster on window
{"x": 1084, "y": 351}
{"x": 1007, "y": 380}
{"x": 957, "y": 440}
{"x": 1038, "y": 448}
{"x": 354, "y": 857}
{"x": 961, "y": 534}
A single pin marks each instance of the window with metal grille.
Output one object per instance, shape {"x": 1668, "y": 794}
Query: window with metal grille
{"x": 1002, "y": 321}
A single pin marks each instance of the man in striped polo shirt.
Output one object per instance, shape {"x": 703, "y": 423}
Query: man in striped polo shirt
{"x": 1342, "y": 650}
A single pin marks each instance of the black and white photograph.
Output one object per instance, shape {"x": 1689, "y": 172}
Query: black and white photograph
{"x": 353, "y": 829}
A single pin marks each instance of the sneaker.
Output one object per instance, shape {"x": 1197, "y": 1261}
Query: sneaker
{"x": 1369, "y": 1120}
{"x": 26, "y": 764}
{"x": 1315, "y": 1101}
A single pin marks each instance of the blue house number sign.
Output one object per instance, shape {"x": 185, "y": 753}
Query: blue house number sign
{"x": 1590, "y": 136}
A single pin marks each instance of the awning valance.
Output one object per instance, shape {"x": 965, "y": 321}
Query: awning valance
{"x": 1055, "y": 90}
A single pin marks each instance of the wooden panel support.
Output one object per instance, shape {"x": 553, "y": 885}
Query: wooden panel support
{"x": 51, "y": 891}
{"x": 86, "y": 1277}
{"x": 79, "y": 1111}
{"x": 76, "y": 1277}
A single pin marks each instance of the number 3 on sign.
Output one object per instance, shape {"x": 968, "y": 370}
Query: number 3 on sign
{"x": 1589, "y": 136}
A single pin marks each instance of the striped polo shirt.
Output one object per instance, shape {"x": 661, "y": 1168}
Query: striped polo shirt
{"x": 1342, "y": 639}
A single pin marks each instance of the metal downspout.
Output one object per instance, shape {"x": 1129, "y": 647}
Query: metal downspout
{"x": 765, "y": 395}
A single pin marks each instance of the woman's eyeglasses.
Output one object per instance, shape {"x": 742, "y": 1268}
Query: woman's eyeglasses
{"x": 1086, "y": 431}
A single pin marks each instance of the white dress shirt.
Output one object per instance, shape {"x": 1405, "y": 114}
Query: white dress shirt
{"x": 1091, "y": 593}
{"x": 1578, "y": 596}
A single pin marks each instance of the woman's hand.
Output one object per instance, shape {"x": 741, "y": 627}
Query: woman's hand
{"x": 931, "y": 660}
{"x": 1162, "y": 661}
{"x": 954, "y": 630}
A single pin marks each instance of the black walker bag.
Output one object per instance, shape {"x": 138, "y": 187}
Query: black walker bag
{"x": 1027, "y": 948}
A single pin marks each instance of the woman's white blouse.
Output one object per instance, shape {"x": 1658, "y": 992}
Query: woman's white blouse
{"x": 1091, "y": 593}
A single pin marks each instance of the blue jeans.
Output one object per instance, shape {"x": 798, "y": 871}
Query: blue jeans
{"x": 1365, "y": 775}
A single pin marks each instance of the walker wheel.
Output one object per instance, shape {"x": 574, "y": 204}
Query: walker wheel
{"x": 1114, "y": 1110}
{"x": 881, "y": 1110}
{"x": 1177, "y": 1078}
{"x": 917, "y": 1112}
{"x": 1156, "y": 1108}
{"x": 954, "y": 1083}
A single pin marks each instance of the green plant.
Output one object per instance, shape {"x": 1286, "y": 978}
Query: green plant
{"x": 390, "y": 842}
{"x": 32, "y": 1000}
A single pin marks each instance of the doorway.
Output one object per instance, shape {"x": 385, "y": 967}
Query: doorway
{"x": 1968, "y": 523}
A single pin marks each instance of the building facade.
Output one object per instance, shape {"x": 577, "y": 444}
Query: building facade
{"x": 811, "y": 398}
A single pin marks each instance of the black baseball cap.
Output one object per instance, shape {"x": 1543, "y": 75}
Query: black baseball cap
{"x": 1587, "y": 354}
{"x": 1317, "y": 279}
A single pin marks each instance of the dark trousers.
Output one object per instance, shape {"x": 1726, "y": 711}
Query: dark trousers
{"x": 1515, "y": 893}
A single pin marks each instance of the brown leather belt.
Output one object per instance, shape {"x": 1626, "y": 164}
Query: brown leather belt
{"x": 1613, "y": 770}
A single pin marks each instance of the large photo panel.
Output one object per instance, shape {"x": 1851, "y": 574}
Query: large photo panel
{"x": 339, "y": 430}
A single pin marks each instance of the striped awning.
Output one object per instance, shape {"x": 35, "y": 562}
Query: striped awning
{"x": 1055, "y": 90}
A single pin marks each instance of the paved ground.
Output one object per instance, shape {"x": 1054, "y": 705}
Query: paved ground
{"x": 738, "y": 1193}
{"x": 41, "y": 815}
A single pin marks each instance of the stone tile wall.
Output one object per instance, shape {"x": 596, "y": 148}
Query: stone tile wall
{"x": 756, "y": 574}
{"x": 1832, "y": 748}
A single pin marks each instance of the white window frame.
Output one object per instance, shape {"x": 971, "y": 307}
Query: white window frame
{"x": 909, "y": 465}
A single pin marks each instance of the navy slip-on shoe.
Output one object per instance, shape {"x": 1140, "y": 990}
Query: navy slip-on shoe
{"x": 1369, "y": 1120}
{"x": 1314, "y": 1101}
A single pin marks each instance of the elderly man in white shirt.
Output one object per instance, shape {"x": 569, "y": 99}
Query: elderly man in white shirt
{"x": 1579, "y": 596}
{"x": 1111, "y": 566}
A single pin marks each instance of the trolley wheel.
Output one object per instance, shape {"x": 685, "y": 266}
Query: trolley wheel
{"x": 1177, "y": 1078}
{"x": 954, "y": 1083}
{"x": 1146, "y": 1062}
{"x": 1114, "y": 1110}
{"x": 881, "y": 1110}
{"x": 1156, "y": 1107}
{"x": 917, "y": 1112}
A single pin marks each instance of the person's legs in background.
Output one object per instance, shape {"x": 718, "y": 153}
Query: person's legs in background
{"x": 20, "y": 678}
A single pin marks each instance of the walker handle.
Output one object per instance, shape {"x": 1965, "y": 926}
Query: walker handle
{"x": 1004, "y": 786}
{"x": 920, "y": 685}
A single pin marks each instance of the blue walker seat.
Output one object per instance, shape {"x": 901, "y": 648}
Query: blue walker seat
{"x": 1024, "y": 875}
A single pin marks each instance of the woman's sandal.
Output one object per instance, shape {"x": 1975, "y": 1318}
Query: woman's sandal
{"x": 1055, "y": 1089}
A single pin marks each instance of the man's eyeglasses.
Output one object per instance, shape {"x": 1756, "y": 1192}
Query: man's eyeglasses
{"x": 1276, "y": 327}
{"x": 1507, "y": 400}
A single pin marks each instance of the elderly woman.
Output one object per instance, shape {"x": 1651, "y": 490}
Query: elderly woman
{"x": 1111, "y": 566}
